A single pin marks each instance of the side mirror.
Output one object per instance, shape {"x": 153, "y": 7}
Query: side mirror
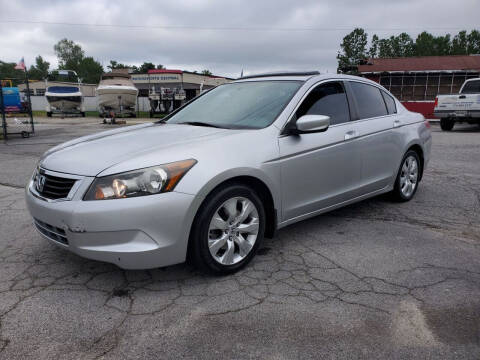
{"x": 312, "y": 123}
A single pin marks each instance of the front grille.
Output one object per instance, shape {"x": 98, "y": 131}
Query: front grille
{"x": 52, "y": 232}
{"x": 54, "y": 187}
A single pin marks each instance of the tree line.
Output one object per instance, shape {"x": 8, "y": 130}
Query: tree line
{"x": 355, "y": 48}
{"x": 143, "y": 69}
{"x": 71, "y": 56}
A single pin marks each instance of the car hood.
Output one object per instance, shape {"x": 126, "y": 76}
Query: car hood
{"x": 90, "y": 155}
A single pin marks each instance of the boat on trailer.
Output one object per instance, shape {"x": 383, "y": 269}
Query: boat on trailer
{"x": 117, "y": 95}
{"x": 63, "y": 93}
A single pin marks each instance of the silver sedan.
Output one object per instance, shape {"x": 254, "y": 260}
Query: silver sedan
{"x": 211, "y": 180}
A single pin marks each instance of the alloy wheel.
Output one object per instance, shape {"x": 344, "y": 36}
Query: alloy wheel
{"x": 233, "y": 230}
{"x": 409, "y": 176}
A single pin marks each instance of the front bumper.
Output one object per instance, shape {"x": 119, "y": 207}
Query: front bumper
{"x": 134, "y": 233}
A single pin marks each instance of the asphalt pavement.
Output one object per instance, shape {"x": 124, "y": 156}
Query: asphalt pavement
{"x": 374, "y": 280}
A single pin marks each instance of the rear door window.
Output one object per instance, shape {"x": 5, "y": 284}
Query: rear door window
{"x": 327, "y": 99}
{"x": 369, "y": 100}
{"x": 471, "y": 87}
{"x": 390, "y": 102}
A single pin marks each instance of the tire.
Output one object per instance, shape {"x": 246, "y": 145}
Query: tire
{"x": 403, "y": 179}
{"x": 49, "y": 114}
{"x": 224, "y": 237}
{"x": 446, "y": 124}
{"x": 83, "y": 114}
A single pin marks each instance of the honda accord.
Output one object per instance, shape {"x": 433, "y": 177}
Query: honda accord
{"x": 212, "y": 179}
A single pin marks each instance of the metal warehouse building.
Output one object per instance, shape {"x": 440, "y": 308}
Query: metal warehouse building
{"x": 415, "y": 81}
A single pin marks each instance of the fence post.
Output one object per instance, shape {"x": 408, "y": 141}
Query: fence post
{"x": 2, "y": 110}
{"x": 29, "y": 103}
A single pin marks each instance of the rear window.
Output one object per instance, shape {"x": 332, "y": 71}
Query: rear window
{"x": 471, "y": 87}
{"x": 369, "y": 100}
{"x": 390, "y": 102}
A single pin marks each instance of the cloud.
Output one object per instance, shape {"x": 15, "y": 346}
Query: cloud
{"x": 223, "y": 36}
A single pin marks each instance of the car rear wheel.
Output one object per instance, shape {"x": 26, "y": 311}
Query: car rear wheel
{"x": 228, "y": 230}
{"x": 446, "y": 124}
{"x": 408, "y": 176}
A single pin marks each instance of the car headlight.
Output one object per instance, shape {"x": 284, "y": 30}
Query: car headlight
{"x": 148, "y": 181}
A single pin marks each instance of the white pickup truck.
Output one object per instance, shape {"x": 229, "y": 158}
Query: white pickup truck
{"x": 461, "y": 107}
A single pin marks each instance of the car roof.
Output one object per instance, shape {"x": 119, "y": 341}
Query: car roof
{"x": 303, "y": 76}
{"x": 473, "y": 79}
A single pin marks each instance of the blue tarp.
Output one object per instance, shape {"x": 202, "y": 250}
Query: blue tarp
{"x": 11, "y": 99}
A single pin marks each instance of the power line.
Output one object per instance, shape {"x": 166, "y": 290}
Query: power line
{"x": 232, "y": 28}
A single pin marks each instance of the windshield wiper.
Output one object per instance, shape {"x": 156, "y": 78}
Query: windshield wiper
{"x": 200, "y": 123}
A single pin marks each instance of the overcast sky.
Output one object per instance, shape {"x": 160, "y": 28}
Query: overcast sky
{"x": 222, "y": 36}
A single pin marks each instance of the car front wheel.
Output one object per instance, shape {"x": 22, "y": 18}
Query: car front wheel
{"x": 228, "y": 230}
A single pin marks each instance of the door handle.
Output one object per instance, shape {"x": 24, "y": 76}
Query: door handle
{"x": 462, "y": 97}
{"x": 397, "y": 123}
{"x": 350, "y": 134}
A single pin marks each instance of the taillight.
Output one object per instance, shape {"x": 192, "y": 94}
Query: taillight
{"x": 436, "y": 102}
{"x": 427, "y": 124}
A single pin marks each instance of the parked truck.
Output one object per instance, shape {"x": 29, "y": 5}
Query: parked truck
{"x": 461, "y": 107}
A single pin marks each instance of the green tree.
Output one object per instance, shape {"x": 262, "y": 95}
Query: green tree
{"x": 90, "y": 70}
{"x": 7, "y": 71}
{"x": 69, "y": 54}
{"x": 442, "y": 45}
{"x": 473, "y": 39}
{"x": 160, "y": 67}
{"x": 353, "y": 51}
{"x": 116, "y": 65}
{"x": 460, "y": 44}
{"x": 385, "y": 48}
{"x": 143, "y": 69}
{"x": 428, "y": 45}
{"x": 402, "y": 45}
{"x": 72, "y": 57}
{"x": 39, "y": 71}
{"x": 373, "y": 51}
{"x": 206, "y": 72}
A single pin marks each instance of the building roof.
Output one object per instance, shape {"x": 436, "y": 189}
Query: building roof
{"x": 164, "y": 71}
{"x": 422, "y": 63}
{"x": 174, "y": 71}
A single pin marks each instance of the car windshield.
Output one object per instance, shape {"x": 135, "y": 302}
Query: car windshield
{"x": 243, "y": 105}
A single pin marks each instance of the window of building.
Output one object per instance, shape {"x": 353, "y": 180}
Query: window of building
{"x": 369, "y": 100}
{"x": 418, "y": 86}
{"x": 327, "y": 99}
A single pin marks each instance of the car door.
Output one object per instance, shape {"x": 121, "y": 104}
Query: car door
{"x": 320, "y": 169}
{"x": 378, "y": 141}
